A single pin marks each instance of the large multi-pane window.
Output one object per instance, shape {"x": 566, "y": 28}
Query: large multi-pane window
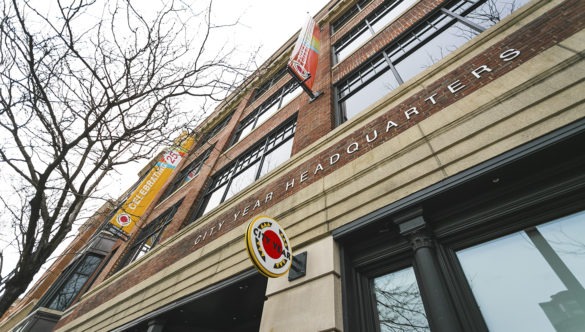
{"x": 275, "y": 102}
{"x": 263, "y": 157}
{"x": 77, "y": 276}
{"x": 210, "y": 133}
{"x": 425, "y": 44}
{"x": 349, "y": 14}
{"x": 370, "y": 26}
{"x": 530, "y": 280}
{"x": 186, "y": 174}
{"x": 269, "y": 83}
{"x": 149, "y": 236}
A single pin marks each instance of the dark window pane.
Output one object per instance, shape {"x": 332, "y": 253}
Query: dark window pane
{"x": 75, "y": 282}
{"x": 399, "y": 304}
{"x": 531, "y": 280}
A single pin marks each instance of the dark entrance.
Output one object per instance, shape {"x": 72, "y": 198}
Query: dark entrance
{"x": 231, "y": 305}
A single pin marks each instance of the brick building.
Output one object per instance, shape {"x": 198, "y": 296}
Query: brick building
{"x": 436, "y": 184}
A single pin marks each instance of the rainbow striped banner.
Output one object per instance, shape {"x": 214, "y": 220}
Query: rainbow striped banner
{"x": 305, "y": 56}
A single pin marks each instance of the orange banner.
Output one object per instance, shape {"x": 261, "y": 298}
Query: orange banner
{"x": 132, "y": 210}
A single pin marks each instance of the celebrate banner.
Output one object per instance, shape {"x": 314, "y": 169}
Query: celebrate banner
{"x": 132, "y": 210}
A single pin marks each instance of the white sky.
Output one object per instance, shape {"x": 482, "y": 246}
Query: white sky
{"x": 267, "y": 24}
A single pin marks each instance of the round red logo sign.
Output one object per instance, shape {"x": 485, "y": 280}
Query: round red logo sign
{"x": 268, "y": 247}
{"x": 124, "y": 219}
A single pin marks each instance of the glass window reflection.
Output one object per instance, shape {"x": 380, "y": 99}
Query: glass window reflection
{"x": 372, "y": 92}
{"x": 531, "y": 280}
{"x": 242, "y": 180}
{"x": 427, "y": 43}
{"x": 261, "y": 158}
{"x": 71, "y": 288}
{"x": 276, "y": 157}
{"x": 399, "y": 304}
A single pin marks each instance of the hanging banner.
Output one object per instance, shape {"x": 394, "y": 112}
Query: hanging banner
{"x": 132, "y": 210}
{"x": 268, "y": 247}
{"x": 305, "y": 56}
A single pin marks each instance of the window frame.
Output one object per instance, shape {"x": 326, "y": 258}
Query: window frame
{"x": 253, "y": 118}
{"x": 348, "y": 14}
{"x": 343, "y": 92}
{"x": 214, "y": 131}
{"x": 67, "y": 276}
{"x": 364, "y": 26}
{"x": 260, "y": 90}
{"x": 100, "y": 246}
{"x": 255, "y": 154}
{"x": 154, "y": 229}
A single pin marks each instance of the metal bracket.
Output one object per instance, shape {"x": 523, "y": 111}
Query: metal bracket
{"x": 298, "y": 268}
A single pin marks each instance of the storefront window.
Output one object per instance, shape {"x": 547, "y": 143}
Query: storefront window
{"x": 399, "y": 304}
{"x": 531, "y": 280}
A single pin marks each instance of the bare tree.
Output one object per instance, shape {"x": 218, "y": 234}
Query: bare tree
{"x": 86, "y": 86}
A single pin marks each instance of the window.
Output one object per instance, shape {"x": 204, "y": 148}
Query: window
{"x": 149, "y": 236}
{"x": 417, "y": 49}
{"x": 398, "y": 302}
{"x": 263, "y": 157}
{"x": 214, "y": 131}
{"x": 78, "y": 276}
{"x": 268, "y": 84}
{"x": 377, "y": 20}
{"x": 282, "y": 97}
{"x": 531, "y": 280}
{"x": 187, "y": 174}
{"x": 349, "y": 14}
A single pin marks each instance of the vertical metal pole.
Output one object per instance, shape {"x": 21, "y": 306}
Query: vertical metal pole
{"x": 155, "y": 325}
{"x": 557, "y": 265}
{"x": 440, "y": 309}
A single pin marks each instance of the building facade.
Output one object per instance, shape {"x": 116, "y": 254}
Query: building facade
{"x": 436, "y": 184}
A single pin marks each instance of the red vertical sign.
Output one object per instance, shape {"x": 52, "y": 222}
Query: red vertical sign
{"x": 304, "y": 58}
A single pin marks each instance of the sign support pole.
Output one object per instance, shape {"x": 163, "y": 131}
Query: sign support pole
{"x": 302, "y": 84}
